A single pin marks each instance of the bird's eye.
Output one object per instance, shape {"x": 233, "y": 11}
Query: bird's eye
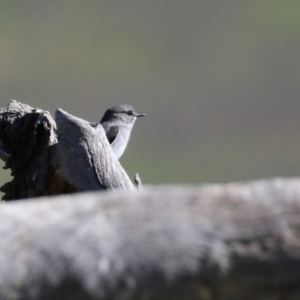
{"x": 129, "y": 113}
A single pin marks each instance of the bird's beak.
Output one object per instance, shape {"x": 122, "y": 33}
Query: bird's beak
{"x": 139, "y": 115}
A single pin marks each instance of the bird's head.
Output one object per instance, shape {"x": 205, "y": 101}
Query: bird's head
{"x": 124, "y": 112}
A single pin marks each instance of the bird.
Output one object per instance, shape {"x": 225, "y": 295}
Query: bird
{"x": 118, "y": 122}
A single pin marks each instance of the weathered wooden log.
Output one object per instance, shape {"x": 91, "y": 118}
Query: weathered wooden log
{"x": 27, "y": 141}
{"x": 215, "y": 242}
{"x": 86, "y": 158}
{"x": 81, "y": 158}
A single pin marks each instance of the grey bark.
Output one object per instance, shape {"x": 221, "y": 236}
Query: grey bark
{"x": 85, "y": 146}
{"x": 81, "y": 158}
{"x": 27, "y": 140}
{"x": 221, "y": 242}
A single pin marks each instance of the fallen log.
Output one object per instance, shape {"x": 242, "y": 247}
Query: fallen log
{"x": 220, "y": 242}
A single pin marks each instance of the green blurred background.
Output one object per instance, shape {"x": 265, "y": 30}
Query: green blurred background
{"x": 219, "y": 80}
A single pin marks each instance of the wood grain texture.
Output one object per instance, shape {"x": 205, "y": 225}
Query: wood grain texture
{"x": 86, "y": 147}
{"x": 213, "y": 242}
{"x": 27, "y": 138}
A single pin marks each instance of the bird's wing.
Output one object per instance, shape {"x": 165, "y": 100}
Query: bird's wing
{"x": 112, "y": 133}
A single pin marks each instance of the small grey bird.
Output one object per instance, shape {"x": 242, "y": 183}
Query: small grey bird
{"x": 117, "y": 123}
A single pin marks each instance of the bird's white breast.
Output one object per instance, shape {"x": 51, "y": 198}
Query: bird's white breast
{"x": 120, "y": 143}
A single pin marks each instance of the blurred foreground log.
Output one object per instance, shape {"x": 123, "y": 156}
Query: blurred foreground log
{"x": 48, "y": 157}
{"x": 235, "y": 241}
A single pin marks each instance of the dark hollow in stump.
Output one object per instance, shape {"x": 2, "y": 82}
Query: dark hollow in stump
{"x": 48, "y": 157}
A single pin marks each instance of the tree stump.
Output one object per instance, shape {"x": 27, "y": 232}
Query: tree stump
{"x": 48, "y": 157}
